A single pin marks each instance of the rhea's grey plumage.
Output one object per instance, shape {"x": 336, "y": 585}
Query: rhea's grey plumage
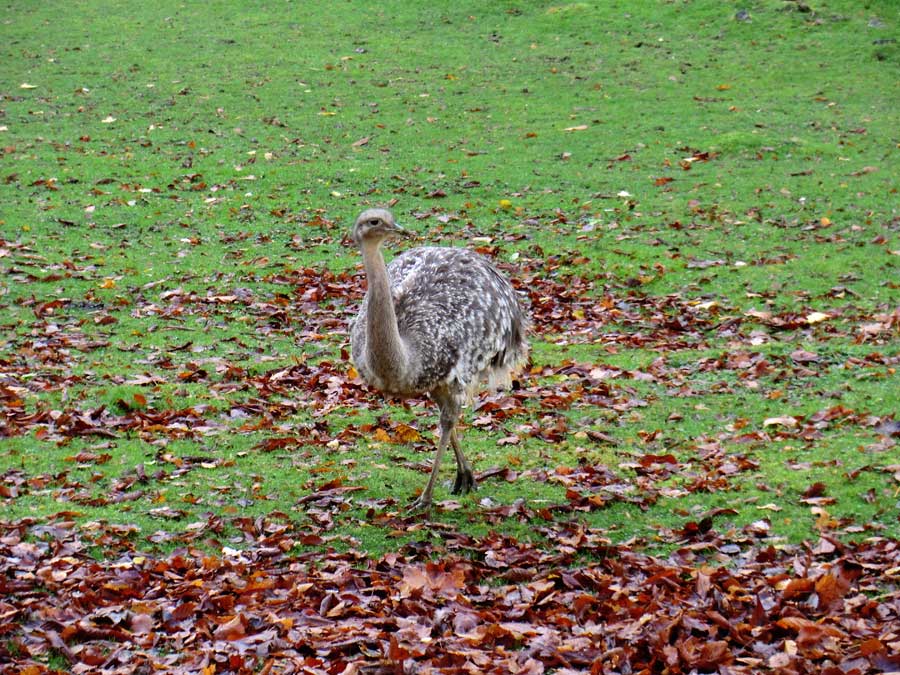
{"x": 441, "y": 321}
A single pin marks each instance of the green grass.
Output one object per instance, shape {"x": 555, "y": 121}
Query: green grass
{"x": 170, "y": 172}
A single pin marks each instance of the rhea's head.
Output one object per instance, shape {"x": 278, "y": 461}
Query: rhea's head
{"x": 374, "y": 225}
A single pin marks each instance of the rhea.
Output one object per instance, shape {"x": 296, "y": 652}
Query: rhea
{"x": 441, "y": 321}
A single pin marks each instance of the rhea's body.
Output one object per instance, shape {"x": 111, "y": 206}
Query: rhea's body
{"x": 437, "y": 315}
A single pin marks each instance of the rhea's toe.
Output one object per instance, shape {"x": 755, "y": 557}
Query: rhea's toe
{"x": 423, "y": 503}
{"x": 464, "y": 483}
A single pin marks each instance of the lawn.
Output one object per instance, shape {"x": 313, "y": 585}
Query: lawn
{"x": 697, "y": 200}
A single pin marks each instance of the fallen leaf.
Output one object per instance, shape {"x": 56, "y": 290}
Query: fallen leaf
{"x": 803, "y": 356}
{"x": 784, "y": 421}
{"x": 816, "y": 317}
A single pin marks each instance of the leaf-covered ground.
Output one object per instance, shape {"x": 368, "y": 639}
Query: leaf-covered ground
{"x": 485, "y": 605}
{"x": 698, "y": 470}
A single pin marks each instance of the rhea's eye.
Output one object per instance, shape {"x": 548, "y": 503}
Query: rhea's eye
{"x": 373, "y": 222}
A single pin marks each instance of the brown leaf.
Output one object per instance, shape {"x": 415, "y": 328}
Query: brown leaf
{"x": 803, "y": 356}
{"x": 798, "y": 587}
{"x": 233, "y": 629}
{"x": 403, "y": 433}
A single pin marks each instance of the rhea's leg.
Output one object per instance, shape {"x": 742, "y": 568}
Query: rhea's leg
{"x": 424, "y": 500}
{"x": 465, "y": 481}
{"x": 449, "y": 414}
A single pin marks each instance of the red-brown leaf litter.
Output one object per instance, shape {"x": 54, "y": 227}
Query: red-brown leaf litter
{"x": 471, "y": 605}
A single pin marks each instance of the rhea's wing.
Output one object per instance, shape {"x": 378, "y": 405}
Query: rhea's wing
{"x": 457, "y": 312}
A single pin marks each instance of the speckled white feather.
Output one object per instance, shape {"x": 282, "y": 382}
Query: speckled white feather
{"x": 461, "y": 318}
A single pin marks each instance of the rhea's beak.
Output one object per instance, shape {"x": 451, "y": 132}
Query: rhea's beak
{"x": 402, "y": 232}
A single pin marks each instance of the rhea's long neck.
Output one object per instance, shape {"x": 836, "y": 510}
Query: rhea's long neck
{"x": 386, "y": 353}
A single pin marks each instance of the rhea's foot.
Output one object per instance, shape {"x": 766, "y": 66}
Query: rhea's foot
{"x": 423, "y": 503}
{"x": 464, "y": 483}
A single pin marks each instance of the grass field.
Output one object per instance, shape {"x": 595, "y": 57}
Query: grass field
{"x": 698, "y": 199}
{"x": 701, "y": 198}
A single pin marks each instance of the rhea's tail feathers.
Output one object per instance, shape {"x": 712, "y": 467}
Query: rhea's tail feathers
{"x": 511, "y": 358}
